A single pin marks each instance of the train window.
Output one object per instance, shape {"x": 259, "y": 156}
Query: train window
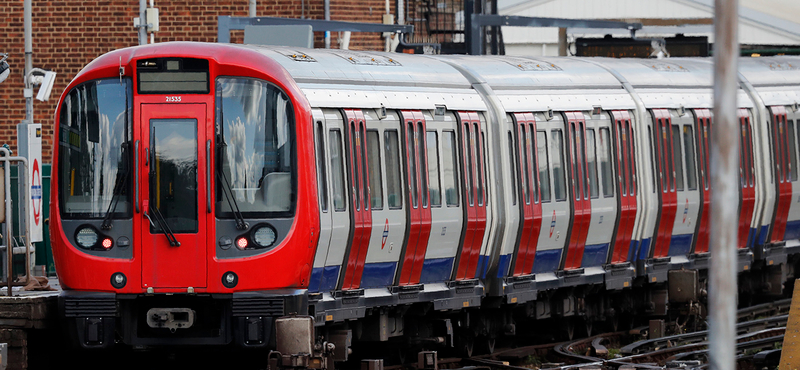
{"x": 393, "y": 188}
{"x": 631, "y": 169}
{"x": 691, "y": 168}
{"x": 514, "y": 161}
{"x": 174, "y": 167}
{"x": 337, "y": 170}
{"x": 375, "y": 183}
{"x": 525, "y": 161}
{"x": 483, "y": 167}
{"x": 750, "y": 169}
{"x": 652, "y": 156}
{"x": 255, "y": 131}
{"x": 792, "y": 151}
{"x": 605, "y": 163}
{"x": 432, "y": 141}
{"x": 544, "y": 172}
{"x": 354, "y": 167}
{"x": 704, "y": 149}
{"x": 469, "y": 150}
{"x": 412, "y": 163}
{"x": 574, "y": 165}
{"x": 591, "y": 163}
{"x": 323, "y": 176}
{"x": 423, "y": 164}
{"x": 559, "y": 182}
{"x": 449, "y": 169}
{"x": 743, "y": 157}
{"x": 479, "y": 178}
{"x": 95, "y": 149}
{"x": 532, "y": 149}
{"x": 677, "y": 161}
{"x": 662, "y": 158}
{"x": 364, "y": 170}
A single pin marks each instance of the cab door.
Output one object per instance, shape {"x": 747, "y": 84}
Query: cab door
{"x": 172, "y": 185}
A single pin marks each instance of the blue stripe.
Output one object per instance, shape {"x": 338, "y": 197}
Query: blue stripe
{"x": 762, "y": 235}
{"x": 436, "y": 270}
{"x": 502, "y": 267}
{"x": 680, "y": 245}
{"x": 751, "y": 238}
{"x": 378, "y": 274}
{"x": 323, "y": 279}
{"x": 483, "y": 266}
{"x": 316, "y": 276}
{"x": 632, "y": 251}
{"x": 594, "y": 255}
{"x": 644, "y": 249}
{"x": 792, "y": 230}
{"x": 547, "y": 261}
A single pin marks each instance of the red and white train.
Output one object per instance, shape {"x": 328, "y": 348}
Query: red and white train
{"x": 204, "y": 190}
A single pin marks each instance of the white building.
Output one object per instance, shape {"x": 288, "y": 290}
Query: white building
{"x": 761, "y": 22}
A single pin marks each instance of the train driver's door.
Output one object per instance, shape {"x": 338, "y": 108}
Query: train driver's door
{"x": 171, "y": 159}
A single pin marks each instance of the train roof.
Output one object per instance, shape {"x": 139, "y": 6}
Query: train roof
{"x": 775, "y": 78}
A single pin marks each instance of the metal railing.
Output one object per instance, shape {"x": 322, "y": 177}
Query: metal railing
{"x": 6, "y": 158}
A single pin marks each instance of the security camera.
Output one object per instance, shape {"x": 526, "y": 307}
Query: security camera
{"x": 5, "y": 70}
{"x": 47, "y": 86}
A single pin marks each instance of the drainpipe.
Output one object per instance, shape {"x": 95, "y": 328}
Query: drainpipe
{"x": 28, "y": 62}
{"x": 253, "y": 8}
{"x": 327, "y": 7}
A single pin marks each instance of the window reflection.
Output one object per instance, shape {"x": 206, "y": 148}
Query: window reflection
{"x": 254, "y": 146}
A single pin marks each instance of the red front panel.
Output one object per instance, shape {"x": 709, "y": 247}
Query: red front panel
{"x": 703, "y": 117}
{"x": 529, "y": 202}
{"x": 666, "y": 183}
{"x": 360, "y": 200}
{"x": 626, "y": 185}
{"x": 783, "y": 181}
{"x": 414, "y": 135}
{"x": 747, "y": 179}
{"x": 473, "y": 176}
{"x": 582, "y": 206}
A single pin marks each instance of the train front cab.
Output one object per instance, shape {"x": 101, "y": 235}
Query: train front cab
{"x": 165, "y": 213}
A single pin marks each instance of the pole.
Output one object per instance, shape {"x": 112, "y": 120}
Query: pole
{"x": 724, "y": 162}
{"x": 327, "y": 6}
{"x": 252, "y": 8}
{"x": 28, "y": 60}
{"x": 142, "y": 22}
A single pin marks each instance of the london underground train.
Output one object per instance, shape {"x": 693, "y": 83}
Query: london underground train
{"x": 220, "y": 194}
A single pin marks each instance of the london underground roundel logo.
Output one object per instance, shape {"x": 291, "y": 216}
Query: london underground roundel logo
{"x": 36, "y": 192}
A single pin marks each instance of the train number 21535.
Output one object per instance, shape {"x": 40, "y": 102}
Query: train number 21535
{"x": 173, "y": 99}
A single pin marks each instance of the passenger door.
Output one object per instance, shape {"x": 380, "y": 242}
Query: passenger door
{"x": 173, "y": 188}
{"x": 356, "y": 157}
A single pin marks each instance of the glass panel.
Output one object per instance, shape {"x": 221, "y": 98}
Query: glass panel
{"x": 750, "y": 159}
{"x": 663, "y": 159}
{"x": 449, "y": 168}
{"x": 255, "y": 131}
{"x": 482, "y": 163}
{"x": 375, "y": 183}
{"x": 94, "y": 152}
{"x": 591, "y": 162}
{"x": 173, "y": 173}
{"x": 559, "y": 182}
{"x": 532, "y": 150}
{"x": 354, "y": 167}
{"x": 365, "y": 184}
{"x": 742, "y": 156}
{"x": 605, "y": 163}
{"x": 543, "y": 160}
{"x": 433, "y": 168}
{"x": 412, "y": 163}
{"x": 470, "y": 150}
{"x": 792, "y": 151}
{"x": 524, "y": 160}
{"x": 676, "y": 156}
{"x": 631, "y": 160}
{"x": 393, "y": 188}
{"x": 691, "y": 168}
{"x": 322, "y": 169}
{"x": 652, "y": 156}
{"x": 514, "y": 161}
{"x": 423, "y": 164}
{"x": 704, "y": 144}
{"x": 337, "y": 171}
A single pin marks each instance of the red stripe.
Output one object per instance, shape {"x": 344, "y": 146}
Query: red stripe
{"x": 704, "y": 121}
{"x": 476, "y": 214}
{"x": 782, "y": 173}
{"x": 626, "y": 172}
{"x": 582, "y": 205}
{"x": 362, "y": 216}
{"x": 748, "y": 191}
{"x": 669, "y": 199}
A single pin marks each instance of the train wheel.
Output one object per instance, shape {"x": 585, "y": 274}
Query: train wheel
{"x": 465, "y": 345}
{"x": 569, "y": 324}
{"x": 487, "y": 345}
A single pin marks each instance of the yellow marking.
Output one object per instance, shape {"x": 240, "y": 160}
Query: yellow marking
{"x": 72, "y": 183}
{"x": 514, "y": 300}
{"x": 626, "y": 284}
{"x": 771, "y": 262}
{"x": 746, "y": 267}
{"x": 790, "y": 355}
{"x": 328, "y": 317}
{"x": 466, "y": 304}
{"x": 653, "y": 279}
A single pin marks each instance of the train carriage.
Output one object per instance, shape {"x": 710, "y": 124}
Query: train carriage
{"x": 206, "y": 191}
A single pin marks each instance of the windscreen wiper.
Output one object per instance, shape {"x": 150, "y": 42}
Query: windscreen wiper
{"x": 162, "y": 224}
{"x": 119, "y": 185}
{"x": 228, "y": 192}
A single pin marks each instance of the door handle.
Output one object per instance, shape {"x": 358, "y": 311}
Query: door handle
{"x": 146, "y": 156}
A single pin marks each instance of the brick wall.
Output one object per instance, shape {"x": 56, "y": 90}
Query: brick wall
{"x": 68, "y": 34}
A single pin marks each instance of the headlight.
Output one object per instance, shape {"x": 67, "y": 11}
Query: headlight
{"x": 86, "y": 237}
{"x": 264, "y": 236}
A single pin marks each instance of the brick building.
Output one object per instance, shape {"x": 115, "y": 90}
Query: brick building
{"x": 68, "y": 34}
